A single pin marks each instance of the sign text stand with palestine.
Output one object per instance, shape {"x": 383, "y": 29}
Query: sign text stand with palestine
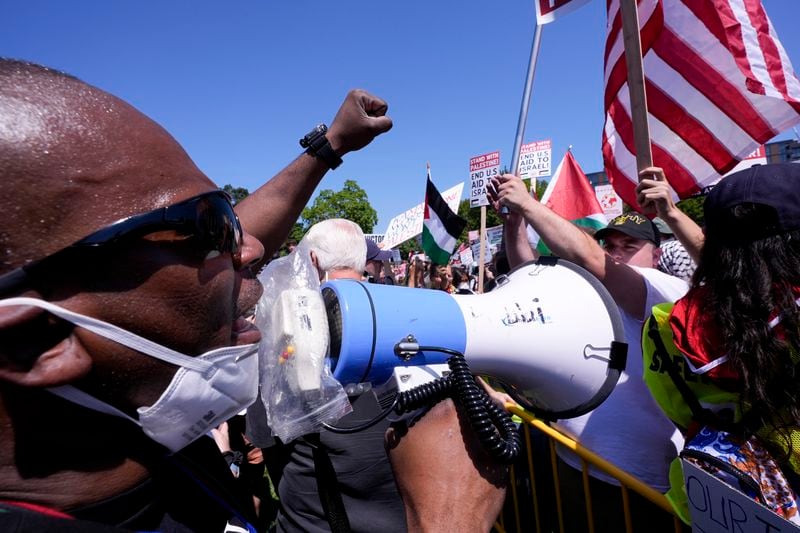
{"x": 482, "y": 168}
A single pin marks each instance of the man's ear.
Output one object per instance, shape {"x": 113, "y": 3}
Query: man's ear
{"x": 38, "y": 350}
{"x": 656, "y": 255}
{"x": 315, "y": 262}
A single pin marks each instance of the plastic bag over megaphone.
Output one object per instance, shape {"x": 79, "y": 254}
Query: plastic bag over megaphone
{"x": 298, "y": 391}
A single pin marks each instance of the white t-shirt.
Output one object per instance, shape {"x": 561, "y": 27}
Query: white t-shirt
{"x": 629, "y": 429}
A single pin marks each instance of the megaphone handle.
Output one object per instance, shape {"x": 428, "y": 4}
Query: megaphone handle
{"x": 483, "y": 414}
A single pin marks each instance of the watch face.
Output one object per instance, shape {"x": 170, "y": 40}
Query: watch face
{"x": 313, "y": 135}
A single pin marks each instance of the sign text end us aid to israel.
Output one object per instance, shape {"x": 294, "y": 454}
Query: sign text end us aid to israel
{"x": 482, "y": 168}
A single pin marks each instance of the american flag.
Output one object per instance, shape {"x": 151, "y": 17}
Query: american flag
{"x": 718, "y": 84}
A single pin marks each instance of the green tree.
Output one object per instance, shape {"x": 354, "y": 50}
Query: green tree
{"x": 694, "y": 208}
{"x": 473, "y": 218}
{"x": 350, "y": 203}
{"x": 237, "y": 193}
{"x": 408, "y": 246}
{"x": 297, "y": 232}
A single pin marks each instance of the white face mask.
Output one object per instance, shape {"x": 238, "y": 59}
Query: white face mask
{"x": 205, "y": 391}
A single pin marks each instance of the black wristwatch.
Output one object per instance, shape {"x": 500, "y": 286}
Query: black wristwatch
{"x": 316, "y": 143}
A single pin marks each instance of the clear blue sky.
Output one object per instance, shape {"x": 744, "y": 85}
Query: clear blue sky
{"x": 238, "y": 83}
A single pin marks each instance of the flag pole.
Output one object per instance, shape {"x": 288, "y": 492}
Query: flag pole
{"x": 526, "y": 97}
{"x": 633, "y": 61}
{"x": 526, "y": 103}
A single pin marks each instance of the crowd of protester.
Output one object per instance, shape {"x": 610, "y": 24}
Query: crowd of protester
{"x": 127, "y": 358}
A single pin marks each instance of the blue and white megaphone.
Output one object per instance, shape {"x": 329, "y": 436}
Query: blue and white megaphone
{"x": 549, "y": 332}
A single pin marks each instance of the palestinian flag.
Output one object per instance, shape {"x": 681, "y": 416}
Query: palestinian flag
{"x": 440, "y": 227}
{"x": 570, "y": 195}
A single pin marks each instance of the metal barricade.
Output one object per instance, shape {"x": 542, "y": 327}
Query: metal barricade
{"x": 518, "y": 516}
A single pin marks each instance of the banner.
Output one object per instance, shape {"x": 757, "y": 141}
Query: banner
{"x": 481, "y": 169}
{"x": 534, "y": 159}
{"x": 549, "y": 10}
{"x": 409, "y": 224}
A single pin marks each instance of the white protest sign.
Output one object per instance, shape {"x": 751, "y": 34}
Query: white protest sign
{"x": 466, "y": 257}
{"x": 494, "y": 236}
{"x": 476, "y": 252}
{"x": 481, "y": 169}
{"x": 717, "y": 507}
{"x": 609, "y": 200}
{"x": 409, "y": 224}
{"x": 534, "y": 159}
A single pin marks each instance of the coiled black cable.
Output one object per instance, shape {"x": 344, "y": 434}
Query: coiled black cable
{"x": 493, "y": 425}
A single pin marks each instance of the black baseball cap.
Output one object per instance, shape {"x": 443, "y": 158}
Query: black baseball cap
{"x": 775, "y": 185}
{"x": 634, "y": 225}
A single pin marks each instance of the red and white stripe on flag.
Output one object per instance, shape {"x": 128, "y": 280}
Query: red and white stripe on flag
{"x": 718, "y": 84}
{"x": 549, "y": 10}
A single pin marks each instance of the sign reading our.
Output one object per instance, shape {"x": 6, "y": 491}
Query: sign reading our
{"x": 482, "y": 168}
{"x": 717, "y": 507}
{"x": 534, "y": 159}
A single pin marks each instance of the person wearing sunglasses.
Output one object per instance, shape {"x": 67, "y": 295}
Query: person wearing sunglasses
{"x": 125, "y": 274}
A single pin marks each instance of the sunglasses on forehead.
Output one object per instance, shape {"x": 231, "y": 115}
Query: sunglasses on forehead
{"x": 208, "y": 218}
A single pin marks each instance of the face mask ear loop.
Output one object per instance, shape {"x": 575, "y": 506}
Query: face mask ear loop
{"x": 116, "y": 334}
{"x": 77, "y": 396}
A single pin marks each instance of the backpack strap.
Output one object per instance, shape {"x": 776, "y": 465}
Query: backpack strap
{"x": 328, "y": 487}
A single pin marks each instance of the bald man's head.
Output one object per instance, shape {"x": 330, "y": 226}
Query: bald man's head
{"x": 73, "y": 159}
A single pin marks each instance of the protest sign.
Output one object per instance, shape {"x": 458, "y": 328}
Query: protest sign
{"x": 476, "y": 252}
{"x": 482, "y": 168}
{"x": 466, "y": 257}
{"x": 534, "y": 159}
{"x": 409, "y": 224}
{"x": 757, "y": 157}
{"x": 717, "y": 507}
{"x": 494, "y": 236}
{"x": 609, "y": 200}
{"x": 377, "y": 238}
{"x": 550, "y": 10}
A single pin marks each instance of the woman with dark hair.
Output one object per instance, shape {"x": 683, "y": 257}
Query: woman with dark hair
{"x": 735, "y": 336}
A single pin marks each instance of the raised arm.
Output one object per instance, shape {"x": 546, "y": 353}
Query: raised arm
{"x": 515, "y": 234}
{"x": 654, "y": 193}
{"x": 566, "y": 240}
{"x": 270, "y": 211}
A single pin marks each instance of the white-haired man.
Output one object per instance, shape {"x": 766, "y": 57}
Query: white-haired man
{"x": 363, "y": 476}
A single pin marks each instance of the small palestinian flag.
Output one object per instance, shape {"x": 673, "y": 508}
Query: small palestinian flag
{"x": 441, "y": 227}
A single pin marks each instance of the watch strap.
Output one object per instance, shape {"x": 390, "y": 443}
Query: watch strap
{"x": 327, "y": 154}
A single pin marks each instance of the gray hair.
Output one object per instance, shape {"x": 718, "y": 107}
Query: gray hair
{"x": 338, "y": 243}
